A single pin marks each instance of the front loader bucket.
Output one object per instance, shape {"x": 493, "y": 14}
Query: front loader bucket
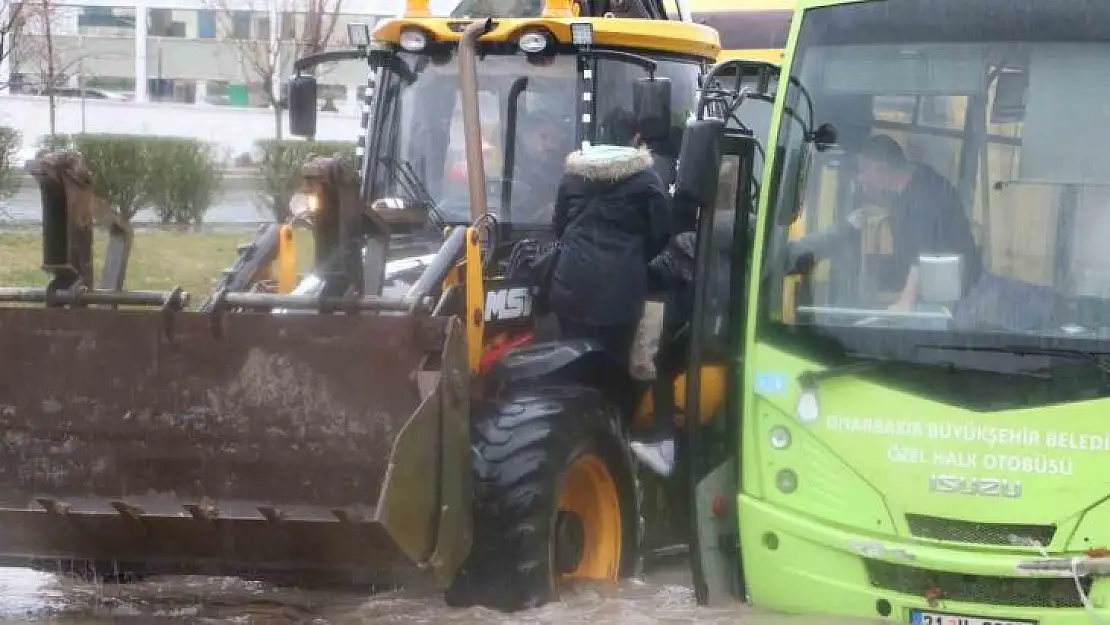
{"x": 333, "y": 447}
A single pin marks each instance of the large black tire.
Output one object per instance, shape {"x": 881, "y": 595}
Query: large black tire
{"x": 523, "y": 446}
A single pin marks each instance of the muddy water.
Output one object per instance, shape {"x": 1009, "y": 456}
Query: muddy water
{"x": 40, "y": 598}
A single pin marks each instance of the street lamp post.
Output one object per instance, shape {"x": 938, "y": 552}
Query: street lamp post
{"x": 81, "y": 82}
{"x": 275, "y": 55}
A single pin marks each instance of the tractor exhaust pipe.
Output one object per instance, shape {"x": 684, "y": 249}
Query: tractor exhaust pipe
{"x": 472, "y": 127}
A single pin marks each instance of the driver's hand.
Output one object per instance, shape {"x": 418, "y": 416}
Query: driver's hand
{"x": 901, "y": 305}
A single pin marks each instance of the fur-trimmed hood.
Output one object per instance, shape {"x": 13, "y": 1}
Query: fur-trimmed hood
{"x": 608, "y": 163}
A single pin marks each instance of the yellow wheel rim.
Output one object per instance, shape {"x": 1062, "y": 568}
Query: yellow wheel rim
{"x": 590, "y": 493}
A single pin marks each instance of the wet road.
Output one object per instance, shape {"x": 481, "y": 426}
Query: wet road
{"x": 41, "y": 598}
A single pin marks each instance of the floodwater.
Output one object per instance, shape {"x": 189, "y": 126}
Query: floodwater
{"x": 664, "y": 597}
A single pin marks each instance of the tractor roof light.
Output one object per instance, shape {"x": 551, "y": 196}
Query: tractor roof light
{"x": 359, "y": 35}
{"x": 582, "y": 33}
{"x": 413, "y": 40}
{"x": 304, "y": 203}
{"x": 561, "y": 8}
{"x": 534, "y": 41}
{"x": 418, "y": 8}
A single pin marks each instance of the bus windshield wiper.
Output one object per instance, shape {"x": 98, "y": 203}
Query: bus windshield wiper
{"x": 1023, "y": 350}
{"x": 808, "y": 409}
{"x": 1097, "y": 358}
{"x": 1100, "y": 359}
{"x": 810, "y": 377}
{"x": 1028, "y": 350}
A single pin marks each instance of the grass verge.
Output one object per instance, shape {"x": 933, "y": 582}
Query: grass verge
{"x": 160, "y": 260}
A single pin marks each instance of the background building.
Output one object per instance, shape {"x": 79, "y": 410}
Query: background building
{"x": 217, "y": 52}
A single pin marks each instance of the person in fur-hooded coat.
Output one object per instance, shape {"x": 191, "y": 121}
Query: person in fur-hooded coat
{"x": 612, "y": 217}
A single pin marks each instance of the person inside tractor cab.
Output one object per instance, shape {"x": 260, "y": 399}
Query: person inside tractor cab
{"x": 547, "y": 136}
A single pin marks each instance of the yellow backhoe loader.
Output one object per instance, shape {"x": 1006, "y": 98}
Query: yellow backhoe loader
{"x": 374, "y": 420}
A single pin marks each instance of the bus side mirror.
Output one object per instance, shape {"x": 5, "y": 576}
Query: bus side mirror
{"x": 302, "y": 106}
{"x": 699, "y": 161}
{"x": 651, "y": 104}
{"x": 822, "y": 139}
{"x": 799, "y": 184}
{"x": 825, "y": 137}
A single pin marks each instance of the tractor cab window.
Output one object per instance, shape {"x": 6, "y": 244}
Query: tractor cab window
{"x": 527, "y": 116}
{"x": 454, "y": 165}
{"x": 532, "y": 159}
{"x": 615, "y": 113}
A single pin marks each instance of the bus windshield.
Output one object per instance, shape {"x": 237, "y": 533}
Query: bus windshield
{"x": 966, "y": 203}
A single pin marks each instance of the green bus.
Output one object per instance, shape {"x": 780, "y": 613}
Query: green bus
{"x": 913, "y": 427}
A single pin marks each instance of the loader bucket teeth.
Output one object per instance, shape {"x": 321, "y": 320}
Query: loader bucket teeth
{"x": 286, "y": 446}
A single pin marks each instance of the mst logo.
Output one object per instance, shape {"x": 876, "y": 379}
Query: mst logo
{"x": 508, "y": 304}
{"x": 975, "y": 486}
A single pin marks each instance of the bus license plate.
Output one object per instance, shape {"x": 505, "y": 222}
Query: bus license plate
{"x": 917, "y": 617}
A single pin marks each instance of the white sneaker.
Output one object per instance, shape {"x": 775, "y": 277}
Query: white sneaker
{"x": 659, "y": 457}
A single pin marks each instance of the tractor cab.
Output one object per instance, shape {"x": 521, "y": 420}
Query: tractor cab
{"x": 471, "y": 115}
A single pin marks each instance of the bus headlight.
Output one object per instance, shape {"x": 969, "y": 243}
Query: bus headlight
{"x": 780, "y": 437}
{"x": 786, "y": 481}
{"x": 413, "y": 40}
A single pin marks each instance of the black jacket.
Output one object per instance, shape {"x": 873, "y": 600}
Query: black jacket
{"x": 673, "y": 272}
{"x": 928, "y": 217}
{"x": 612, "y": 217}
{"x": 674, "y": 267}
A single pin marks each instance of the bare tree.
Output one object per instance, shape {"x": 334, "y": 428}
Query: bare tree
{"x": 36, "y": 47}
{"x": 266, "y": 60}
{"x": 10, "y": 16}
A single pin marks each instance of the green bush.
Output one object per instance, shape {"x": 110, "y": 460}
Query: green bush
{"x": 120, "y": 166}
{"x": 11, "y": 171}
{"x": 178, "y": 178}
{"x": 280, "y": 169}
{"x": 184, "y": 179}
{"x": 55, "y": 143}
